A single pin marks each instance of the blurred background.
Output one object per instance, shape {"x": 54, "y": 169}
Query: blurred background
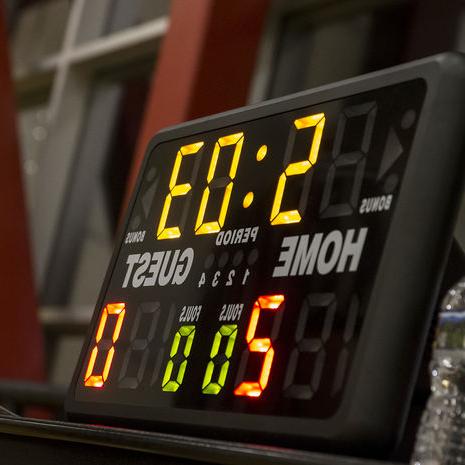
{"x": 91, "y": 81}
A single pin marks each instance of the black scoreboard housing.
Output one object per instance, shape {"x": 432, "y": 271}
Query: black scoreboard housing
{"x": 375, "y": 406}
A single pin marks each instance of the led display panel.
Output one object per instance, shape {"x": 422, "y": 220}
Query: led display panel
{"x": 252, "y": 288}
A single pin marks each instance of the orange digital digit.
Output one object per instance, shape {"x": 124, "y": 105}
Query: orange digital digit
{"x": 264, "y": 345}
{"x": 299, "y": 167}
{"x": 111, "y": 311}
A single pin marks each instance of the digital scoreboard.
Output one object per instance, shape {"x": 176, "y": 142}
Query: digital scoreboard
{"x": 278, "y": 267}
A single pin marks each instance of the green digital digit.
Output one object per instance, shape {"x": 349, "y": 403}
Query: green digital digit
{"x": 214, "y": 387}
{"x": 171, "y": 381}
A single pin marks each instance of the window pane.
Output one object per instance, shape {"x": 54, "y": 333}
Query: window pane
{"x": 317, "y": 46}
{"x": 38, "y": 31}
{"x": 105, "y": 17}
{"x": 126, "y": 14}
{"x": 95, "y": 192}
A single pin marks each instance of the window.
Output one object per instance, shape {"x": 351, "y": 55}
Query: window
{"x": 313, "y": 43}
{"x": 81, "y": 70}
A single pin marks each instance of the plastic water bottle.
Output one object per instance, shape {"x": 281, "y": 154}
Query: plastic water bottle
{"x": 441, "y": 435}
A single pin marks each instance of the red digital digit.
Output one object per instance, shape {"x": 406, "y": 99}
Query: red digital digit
{"x": 97, "y": 380}
{"x": 264, "y": 345}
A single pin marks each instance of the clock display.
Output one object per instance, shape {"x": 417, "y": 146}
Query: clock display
{"x": 245, "y": 291}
